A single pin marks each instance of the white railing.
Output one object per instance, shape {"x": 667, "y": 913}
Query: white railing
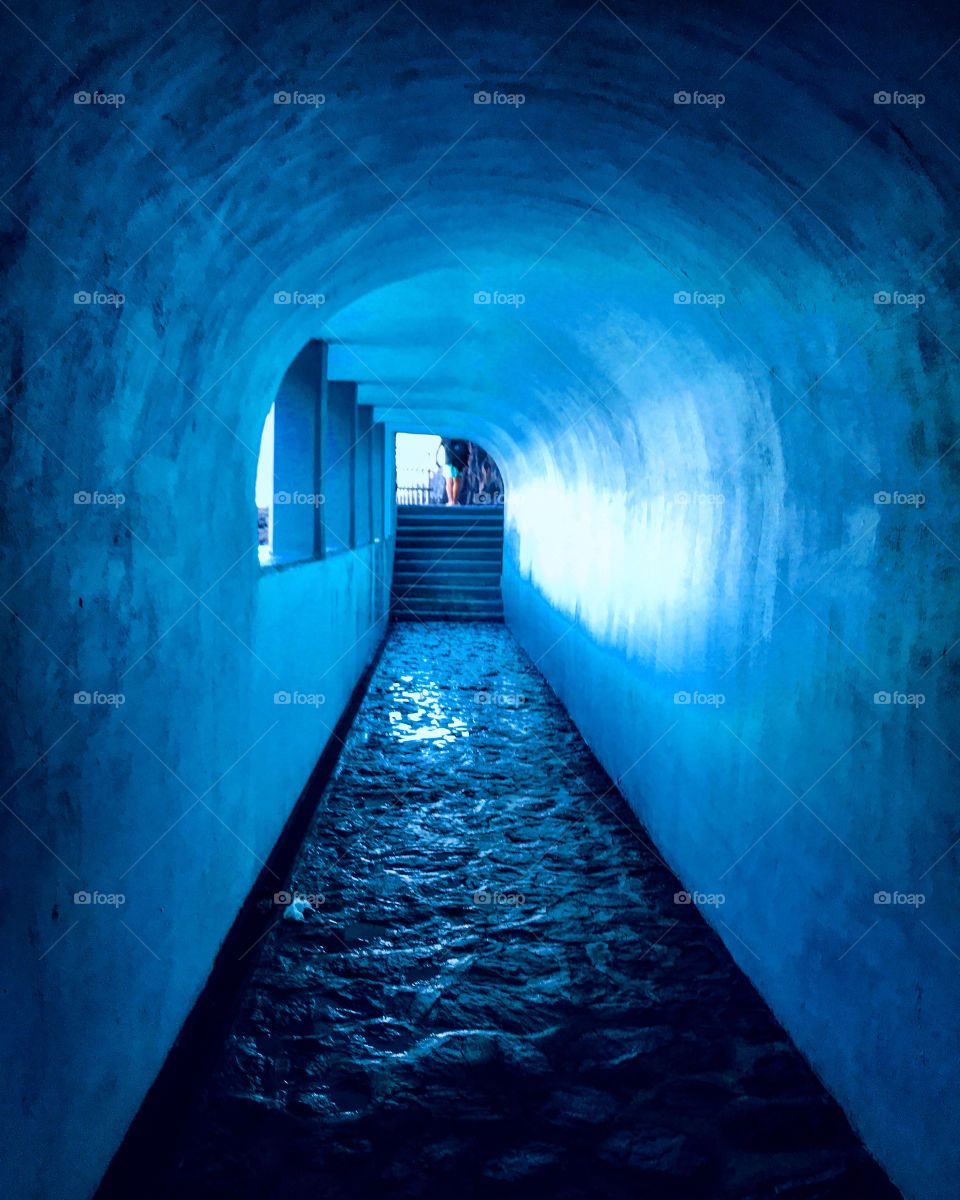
{"x": 420, "y": 486}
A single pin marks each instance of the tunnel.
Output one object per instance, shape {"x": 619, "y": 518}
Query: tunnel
{"x": 687, "y": 274}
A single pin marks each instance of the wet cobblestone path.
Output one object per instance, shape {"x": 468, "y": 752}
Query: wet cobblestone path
{"x": 495, "y": 993}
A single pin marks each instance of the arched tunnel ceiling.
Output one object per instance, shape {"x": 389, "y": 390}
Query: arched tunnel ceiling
{"x": 601, "y": 201}
{"x": 596, "y": 200}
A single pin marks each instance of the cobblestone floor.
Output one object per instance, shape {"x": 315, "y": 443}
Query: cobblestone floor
{"x": 495, "y": 993}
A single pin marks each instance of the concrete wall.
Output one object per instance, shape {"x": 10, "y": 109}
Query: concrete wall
{"x": 758, "y": 650}
{"x": 172, "y": 800}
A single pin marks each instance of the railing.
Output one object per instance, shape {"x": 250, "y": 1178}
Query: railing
{"x": 416, "y": 493}
{"x": 421, "y": 485}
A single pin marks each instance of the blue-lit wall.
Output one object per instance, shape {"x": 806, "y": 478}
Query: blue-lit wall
{"x": 691, "y": 483}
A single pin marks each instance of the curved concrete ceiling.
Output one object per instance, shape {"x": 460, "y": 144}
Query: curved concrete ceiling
{"x": 780, "y": 212}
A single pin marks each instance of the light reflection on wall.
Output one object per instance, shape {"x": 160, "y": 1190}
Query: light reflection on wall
{"x": 639, "y": 530}
{"x": 636, "y": 574}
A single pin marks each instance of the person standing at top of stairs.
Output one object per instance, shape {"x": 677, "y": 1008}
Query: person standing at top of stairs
{"x": 456, "y": 459}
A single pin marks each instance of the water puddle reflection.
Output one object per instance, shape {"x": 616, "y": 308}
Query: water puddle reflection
{"x": 420, "y": 715}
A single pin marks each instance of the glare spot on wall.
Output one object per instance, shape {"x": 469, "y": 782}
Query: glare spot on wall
{"x": 632, "y": 574}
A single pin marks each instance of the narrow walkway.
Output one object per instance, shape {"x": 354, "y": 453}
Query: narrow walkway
{"x": 497, "y": 995}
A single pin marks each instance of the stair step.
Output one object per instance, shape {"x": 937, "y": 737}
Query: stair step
{"x": 449, "y": 514}
{"x": 439, "y": 515}
{"x": 448, "y": 597}
{"x": 446, "y": 591}
{"x": 449, "y": 529}
{"x": 446, "y": 600}
{"x": 455, "y": 576}
{"x": 489, "y": 511}
{"x": 459, "y": 579}
{"x": 431, "y": 555}
{"x": 446, "y": 540}
{"x": 472, "y": 567}
{"x": 447, "y": 565}
{"x": 436, "y": 612}
{"x": 449, "y": 535}
{"x": 429, "y": 615}
{"x": 447, "y": 553}
{"x": 449, "y": 523}
{"x": 448, "y": 545}
{"x": 452, "y": 595}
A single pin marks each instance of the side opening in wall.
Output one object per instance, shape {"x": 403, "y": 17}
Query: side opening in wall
{"x": 264, "y": 489}
{"x": 321, "y": 483}
{"x": 289, "y": 494}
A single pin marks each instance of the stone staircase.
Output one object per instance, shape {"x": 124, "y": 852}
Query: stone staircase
{"x": 447, "y": 563}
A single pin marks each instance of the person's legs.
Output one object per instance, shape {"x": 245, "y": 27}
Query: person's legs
{"x": 455, "y": 490}
{"x": 450, "y": 482}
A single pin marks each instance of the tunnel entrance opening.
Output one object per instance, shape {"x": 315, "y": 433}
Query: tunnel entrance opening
{"x": 448, "y": 556}
{"x": 445, "y": 470}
